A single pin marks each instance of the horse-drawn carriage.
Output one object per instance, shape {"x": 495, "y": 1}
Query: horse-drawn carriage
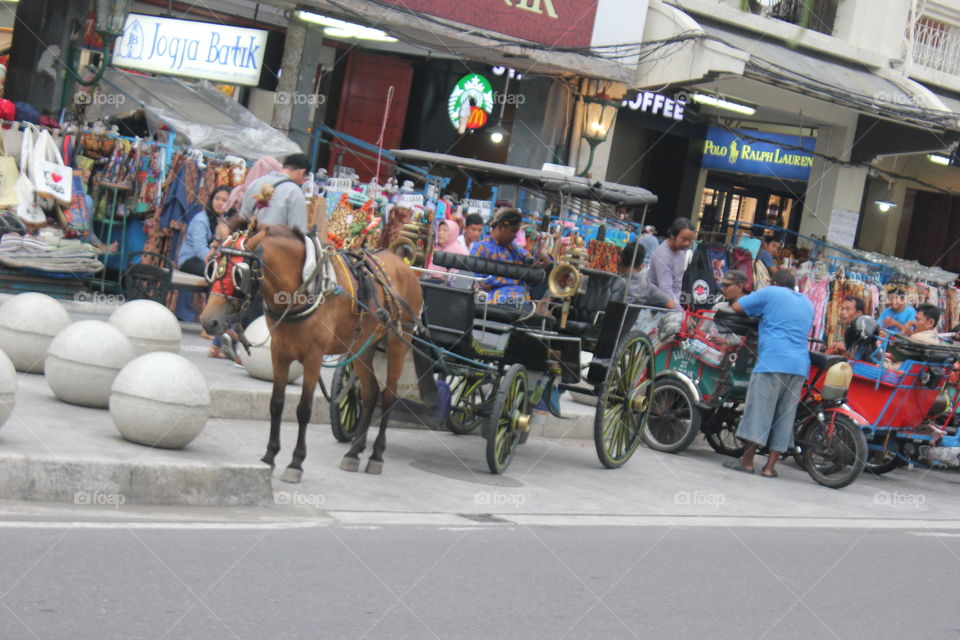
{"x": 494, "y": 363}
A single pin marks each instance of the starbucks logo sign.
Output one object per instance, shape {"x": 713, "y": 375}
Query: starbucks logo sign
{"x": 470, "y": 103}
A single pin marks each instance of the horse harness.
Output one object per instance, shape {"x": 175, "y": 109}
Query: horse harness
{"x": 363, "y": 269}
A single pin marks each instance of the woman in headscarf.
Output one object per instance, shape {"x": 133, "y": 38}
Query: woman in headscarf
{"x": 447, "y": 233}
{"x": 260, "y": 168}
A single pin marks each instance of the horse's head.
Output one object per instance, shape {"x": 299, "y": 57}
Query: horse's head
{"x": 234, "y": 274}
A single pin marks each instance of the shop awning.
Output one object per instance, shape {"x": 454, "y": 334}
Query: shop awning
{"x": 461, "y": 40}
{"x": 482, "y": 171}
{"x": 830, "y": 79}
{"x": 197, "y": 112}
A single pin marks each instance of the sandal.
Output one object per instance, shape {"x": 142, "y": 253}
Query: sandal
{"x": 772, "y": 474}
{"x": 736, "y": 465}
{"x": 226, "y": 347}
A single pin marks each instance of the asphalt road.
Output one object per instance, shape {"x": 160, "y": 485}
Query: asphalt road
{"x": 487, "y": 581}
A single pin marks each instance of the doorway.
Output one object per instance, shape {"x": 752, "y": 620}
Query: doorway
{"x": 730, "y": 204}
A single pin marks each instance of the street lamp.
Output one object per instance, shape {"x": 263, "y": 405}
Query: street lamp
{"x": 599, "y": 112}
{"x": 111, "y": 17}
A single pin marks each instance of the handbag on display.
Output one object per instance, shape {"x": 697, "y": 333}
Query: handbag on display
{"x": 28, "y": 208}
{"x": 9, "y": 174}
{"x": 51, "y": 177}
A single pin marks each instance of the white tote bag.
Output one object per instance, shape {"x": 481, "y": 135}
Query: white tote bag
{"x": 28, "y": 210}
{"x": 50, "y": 176}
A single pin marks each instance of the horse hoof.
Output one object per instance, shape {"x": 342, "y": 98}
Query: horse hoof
{"x": 350, "y": 464}
{"x": 291, "y": 475}
{"x": 374, "y": 466}
{"x": 269, "y": 463}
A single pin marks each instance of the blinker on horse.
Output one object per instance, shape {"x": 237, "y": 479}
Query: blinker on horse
{"x": 308, "y": 322}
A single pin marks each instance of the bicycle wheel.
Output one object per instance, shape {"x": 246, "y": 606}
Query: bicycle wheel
{"x": 345, "y": 405}
{"x": 883, "y": 458}
{"x": 674, "y": 418}
{"x": 508, "y": 420}
{"x": 623, "y": 404}
{"x": 834, "y": 450}
{"x": 724, "y": 440}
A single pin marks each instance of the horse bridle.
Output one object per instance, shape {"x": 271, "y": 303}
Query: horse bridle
{"x": 245, "y": 275}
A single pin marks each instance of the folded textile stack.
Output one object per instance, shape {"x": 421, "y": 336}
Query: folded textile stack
{"x": 59, "y": 256}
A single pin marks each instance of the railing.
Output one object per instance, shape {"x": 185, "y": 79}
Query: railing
{"x": 818, "y": 15}
{"x": 936, "y": 48}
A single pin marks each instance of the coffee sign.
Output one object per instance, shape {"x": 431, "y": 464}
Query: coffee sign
{"x": 216, "y": 52}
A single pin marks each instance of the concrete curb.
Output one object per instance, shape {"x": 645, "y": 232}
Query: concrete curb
{"x": 254, "y": 404}
{"x": 111, "y": 482}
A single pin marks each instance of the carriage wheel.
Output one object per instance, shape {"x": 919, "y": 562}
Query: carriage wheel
{"x": 623, "y": 405}
{"x": 674, "y": 418}
{"x": 469, "y": 394}
{"x": 508, "y": 420}
{"x": 346, "y": 404}
{"x": 834, "y": 450}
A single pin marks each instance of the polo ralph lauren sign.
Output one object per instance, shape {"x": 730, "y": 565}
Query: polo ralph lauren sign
{"x": 232, "y": 55}
{"x": 566, "y": 23}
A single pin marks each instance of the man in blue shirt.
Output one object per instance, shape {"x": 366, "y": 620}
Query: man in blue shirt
{"x": 776, "y": 384}
{"x": 898, "y": 317}
{"x": 500, "y": 246}
{"x": 767, "y": 254}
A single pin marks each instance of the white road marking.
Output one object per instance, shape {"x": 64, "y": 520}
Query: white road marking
{"x": 193, "y": 526}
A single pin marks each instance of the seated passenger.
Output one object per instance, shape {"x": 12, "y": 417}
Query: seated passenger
{"x": 925, "y": 331}
{"x": 500, "y": 246}
{"x": 860, "y": 332}
{"x": 925, "y": 325}
{"x": 733, "y": 287}
{"x": 448, "y": 233}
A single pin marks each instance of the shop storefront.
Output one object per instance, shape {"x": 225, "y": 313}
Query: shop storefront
{"x": 754, "y": 177}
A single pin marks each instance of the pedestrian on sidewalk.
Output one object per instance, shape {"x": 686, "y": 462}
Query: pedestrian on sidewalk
{"x": 786, "y": 318}
{"x": 277, "y": 198}
{"x": 669, "y": 260}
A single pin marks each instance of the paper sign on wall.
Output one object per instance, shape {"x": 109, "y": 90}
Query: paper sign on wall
{"x": 843, "y": 227}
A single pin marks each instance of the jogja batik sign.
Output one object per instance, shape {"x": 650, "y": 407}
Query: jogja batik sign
{"x": 567, "y": 23}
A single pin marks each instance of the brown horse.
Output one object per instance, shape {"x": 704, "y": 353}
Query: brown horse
{"x": 307, "y": 326}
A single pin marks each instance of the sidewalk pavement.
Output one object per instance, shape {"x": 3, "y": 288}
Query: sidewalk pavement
{"x": 54, "y": 452}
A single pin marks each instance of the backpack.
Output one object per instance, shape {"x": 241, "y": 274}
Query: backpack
{"x": 710, "y": 262}
{"x": 761, "y": 275}
{"x": 741, "y": 259}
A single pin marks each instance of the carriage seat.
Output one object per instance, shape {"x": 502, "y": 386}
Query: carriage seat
{"x": 736, "y": 323}
{"x": 603, "y": 288}
{"x": 510, "y": 314}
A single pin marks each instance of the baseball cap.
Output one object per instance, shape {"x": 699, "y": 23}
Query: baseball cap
{"x": 735, "y": 276}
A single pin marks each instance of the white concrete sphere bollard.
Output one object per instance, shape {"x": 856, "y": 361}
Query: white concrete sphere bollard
{"x": 28, "y": 323}
{"x": 83, "y": 361}
{"x": 160, "y": 399}
{"x": 149, "y": 325}
{"x": 259, "y": 363}
{"x": 8, "y": 387}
